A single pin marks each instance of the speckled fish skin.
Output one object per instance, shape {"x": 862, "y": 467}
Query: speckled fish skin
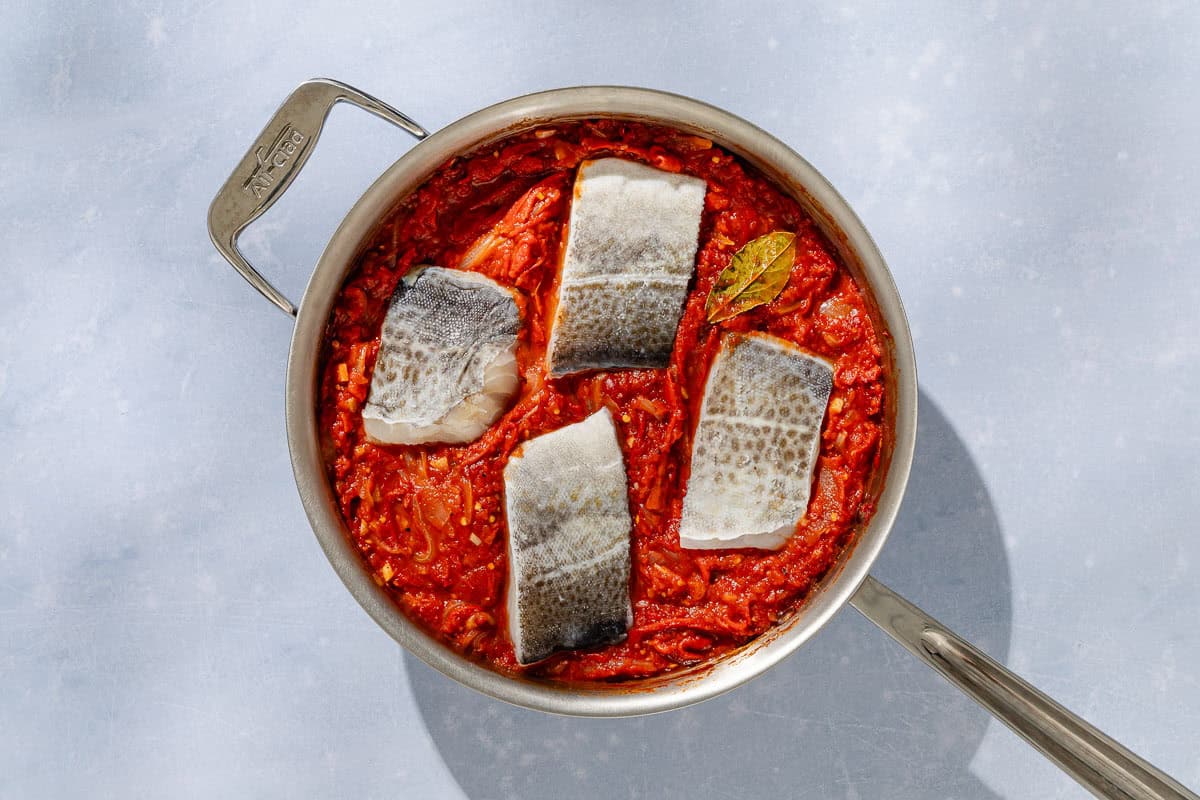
{"x": 446, "y": 367}
{"x": 756, "y": 444}
{"x": 568, "y": 540}
{"x": 630, "y": 255}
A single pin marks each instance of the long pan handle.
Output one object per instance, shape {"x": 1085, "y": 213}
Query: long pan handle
{"x": 1099, "y": 763}
{"x": 273, "y": 162}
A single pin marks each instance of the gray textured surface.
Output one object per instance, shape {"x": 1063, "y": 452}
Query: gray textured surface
{"x": 168, "y": 626}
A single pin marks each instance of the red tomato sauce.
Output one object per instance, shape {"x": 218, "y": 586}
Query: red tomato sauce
{"x": 429, "y": 520}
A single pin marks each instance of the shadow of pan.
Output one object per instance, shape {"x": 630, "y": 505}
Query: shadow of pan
{"x": 849, "y": 715}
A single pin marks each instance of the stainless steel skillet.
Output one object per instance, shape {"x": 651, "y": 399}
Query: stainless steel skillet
{"x": 1100, "y": 764}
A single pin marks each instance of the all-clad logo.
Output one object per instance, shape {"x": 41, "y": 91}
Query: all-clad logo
{"x": 273, "y": 160}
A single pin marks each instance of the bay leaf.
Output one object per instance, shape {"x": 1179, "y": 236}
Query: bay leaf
{"x": 755, "y": 276}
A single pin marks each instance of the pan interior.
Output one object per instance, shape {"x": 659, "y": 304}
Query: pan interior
{"x": 790, "y": 172}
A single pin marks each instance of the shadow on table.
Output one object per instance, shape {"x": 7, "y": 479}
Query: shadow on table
{"x": 849, "y": 715}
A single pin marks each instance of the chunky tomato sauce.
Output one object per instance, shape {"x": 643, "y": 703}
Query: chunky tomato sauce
{"x": 429, "y": 520}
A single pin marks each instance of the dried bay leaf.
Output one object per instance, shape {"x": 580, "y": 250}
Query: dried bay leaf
{"x": 755, "y": 276}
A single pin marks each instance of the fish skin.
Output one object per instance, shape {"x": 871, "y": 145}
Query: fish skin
{"x": 756, "y": 444}
{"x": 568, "y": 540}
{"x": 446, "y": 367}
{"x": 630, "y": 255}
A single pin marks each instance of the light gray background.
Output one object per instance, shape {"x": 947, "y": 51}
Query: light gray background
{"x": 168, "y": 626}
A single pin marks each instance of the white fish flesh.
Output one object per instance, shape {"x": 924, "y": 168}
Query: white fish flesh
{"x": 630, "y": 254}
{"x": 446, "y": 367}
{"x": 756, "y": 444}
{"x": 568, "y": 540}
